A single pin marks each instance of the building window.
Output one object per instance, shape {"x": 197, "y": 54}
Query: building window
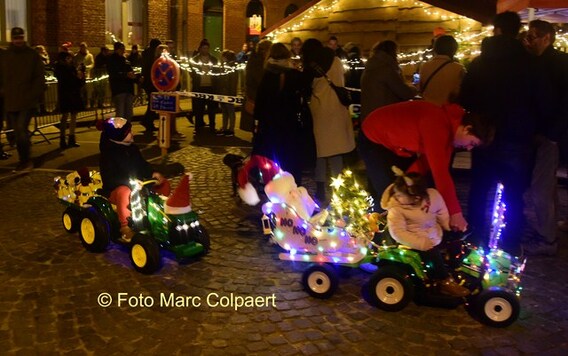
{"x": 290, "y": 9}
{"x": 255, "y": 17}
{"x": 15, "y": 15}
{"x": 125, "y": 21}
{"x": 213, "y": 25}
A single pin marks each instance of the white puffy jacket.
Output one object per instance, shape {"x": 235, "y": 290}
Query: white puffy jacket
{"x": 418, "y": 226}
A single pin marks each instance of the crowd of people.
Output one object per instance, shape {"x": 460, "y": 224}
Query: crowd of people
{"x": 507, "y": 107}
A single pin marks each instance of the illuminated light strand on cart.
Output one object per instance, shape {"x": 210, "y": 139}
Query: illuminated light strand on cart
{"x": 138, "y": 212}
{"x": 498, "y": 218}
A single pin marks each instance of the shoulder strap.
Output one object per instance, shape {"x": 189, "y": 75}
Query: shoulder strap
{"x": 282, "y": 80}
{"x": 423, "y": 88}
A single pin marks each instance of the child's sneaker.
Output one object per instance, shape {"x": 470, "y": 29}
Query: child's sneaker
{"x": 450, "y": 287}
{"x": 229, "y": 133}
{"x": 126, "y": 234}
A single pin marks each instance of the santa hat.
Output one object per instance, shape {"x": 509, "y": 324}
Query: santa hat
{"x": 179, "y": 203}
{"x": 268, "y": 169}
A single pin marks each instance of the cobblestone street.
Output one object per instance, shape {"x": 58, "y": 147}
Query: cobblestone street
{"x": 51, "y": 285}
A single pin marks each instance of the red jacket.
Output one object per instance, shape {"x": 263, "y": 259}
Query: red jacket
{"x": 422, "y": 128}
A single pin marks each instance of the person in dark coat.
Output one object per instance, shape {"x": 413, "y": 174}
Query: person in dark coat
{"x": 382, "y": 82}
{"x": 134, "y": 57}
{"x": 148, "y": 58}
{"x": 253, "y": 75}
{"x": 203, "y": 80}
{"x": 121, "y": 77}
{"x": 99, "y": 72}
{"x": 552, "y": 66}
{"x": 22, "y": 81}
{"x": 69, "y": 84}
{"x": 499, "y": 84}
{"x": 228, "y": 82}
{"x": 278, "y": 101}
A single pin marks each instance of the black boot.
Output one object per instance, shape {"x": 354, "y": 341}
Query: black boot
{"x": 72, "y": 142}
{"x": 62, "y": 143}
{"x": 320, "y": 192}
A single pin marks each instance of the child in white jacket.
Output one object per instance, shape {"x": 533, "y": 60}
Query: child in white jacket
{"x": 416, "y": 218}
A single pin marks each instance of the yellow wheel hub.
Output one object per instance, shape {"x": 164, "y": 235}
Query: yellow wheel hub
{"x": 88, "y": 231}
{"x": 67, "y": 222}
{"x": 139, "y": 256}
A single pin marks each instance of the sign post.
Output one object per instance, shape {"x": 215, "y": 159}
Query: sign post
{"x": 165, "y": 77}
{"x": 167, "y": 106}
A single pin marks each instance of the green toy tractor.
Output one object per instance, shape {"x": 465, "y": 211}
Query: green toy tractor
{"x": 492, "y": 276}
{"x": 97, "y": 222}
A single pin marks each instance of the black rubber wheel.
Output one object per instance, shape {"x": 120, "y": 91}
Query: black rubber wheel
{"x": 320, "y": 281}
{"x": 497, "y": 307}
{"x": 94, "y": 231}
{"x": 390, "y": 288}
{"x": 202, "y": 237}
{"x": 71, "y": 219}
{"x": 145, "y": 254}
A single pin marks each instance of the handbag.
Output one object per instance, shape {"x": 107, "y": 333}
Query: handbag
{"x": 343, "y": 94}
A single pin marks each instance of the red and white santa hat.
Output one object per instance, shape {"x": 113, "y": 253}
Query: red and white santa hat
{"x": 179, "y": 202}
{"x": 268, "y": 169}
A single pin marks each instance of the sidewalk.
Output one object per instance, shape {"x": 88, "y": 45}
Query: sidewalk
{"x": 51, "y": 285}
{"x": 48, "y": 155}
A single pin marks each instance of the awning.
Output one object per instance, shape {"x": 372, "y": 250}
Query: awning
{"x": 555, "y": 11}
{"x": 480, "y": 10}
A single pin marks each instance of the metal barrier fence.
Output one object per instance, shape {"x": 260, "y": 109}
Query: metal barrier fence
{"x": 96, "y": 96}
{"x": 98, "y": 104}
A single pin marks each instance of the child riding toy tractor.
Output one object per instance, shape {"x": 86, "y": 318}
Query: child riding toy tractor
{"x": 155, "y": 223}
{"x": 346, "y": 240}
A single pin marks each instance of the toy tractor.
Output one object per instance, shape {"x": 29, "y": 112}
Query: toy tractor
{"x": 97, "y": 222}
{"x": 492, "y": 276}
{"x": 400, "y": 275}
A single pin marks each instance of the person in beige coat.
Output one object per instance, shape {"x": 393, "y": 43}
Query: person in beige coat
{"x": 333, "y": 130}
{"x": 441, "y": 77}
{"x": 417, "y": 217}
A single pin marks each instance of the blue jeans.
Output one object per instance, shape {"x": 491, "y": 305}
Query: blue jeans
{"x": 123, "y": 105}
{"x": 20, "y": 122}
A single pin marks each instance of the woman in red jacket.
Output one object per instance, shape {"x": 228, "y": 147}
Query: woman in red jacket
{"x": 419, "y": 136}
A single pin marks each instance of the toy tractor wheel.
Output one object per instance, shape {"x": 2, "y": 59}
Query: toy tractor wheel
{"x": 202, "y": 237}
{"x": 390, "y": 288}
{"x": 145, "y": 254}
{"x": 94, "y": 231}
{"x": 497, "y": 307}
{"x": 320, "y": 281}
{"x": 71, "y": 220}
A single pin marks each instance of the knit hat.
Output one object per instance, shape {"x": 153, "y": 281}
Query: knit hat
{"x": 179, "y": 202}
{"x": 268, "y": 169}
{"x": 17, "y": 32}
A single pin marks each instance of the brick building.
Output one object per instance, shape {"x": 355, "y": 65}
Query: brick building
{"x": 224, "y": 23}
